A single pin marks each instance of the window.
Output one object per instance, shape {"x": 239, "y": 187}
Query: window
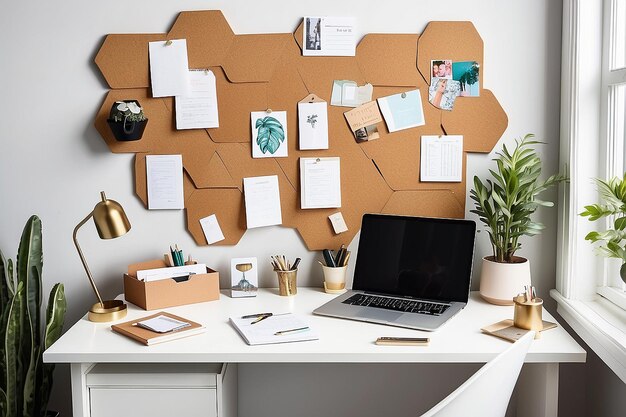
{"x": 612, "y": 129}
{"x": 590, "y": 294}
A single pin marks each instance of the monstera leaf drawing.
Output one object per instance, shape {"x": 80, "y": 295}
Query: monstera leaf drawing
{"x": 270, "y": 134}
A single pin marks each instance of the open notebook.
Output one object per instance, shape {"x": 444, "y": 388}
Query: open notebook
{"x": 279, "y": 328}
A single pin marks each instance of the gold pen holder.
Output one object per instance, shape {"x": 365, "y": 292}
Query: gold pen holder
{"x": 287, "y": 282}
{"x": 527, "y": 314}
{"x": 334, "y": 279}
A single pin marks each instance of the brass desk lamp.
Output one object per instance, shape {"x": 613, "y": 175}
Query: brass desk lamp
{"x": 111, "y": 222}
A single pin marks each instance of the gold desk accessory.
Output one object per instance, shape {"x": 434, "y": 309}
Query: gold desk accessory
{"x": 527, "y": 313}
{"x": 111, "y": 222}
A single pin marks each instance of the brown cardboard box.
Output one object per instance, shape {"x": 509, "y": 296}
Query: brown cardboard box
{"x": 167, "y": 292}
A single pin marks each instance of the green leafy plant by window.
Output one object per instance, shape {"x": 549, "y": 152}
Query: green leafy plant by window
{"x": 25, "y": 380}
{"x": 506, "y": 203}
{"x": 270, "y": 134}
{"x": 613, "y": 239}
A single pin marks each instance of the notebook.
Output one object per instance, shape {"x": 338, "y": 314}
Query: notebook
{"x": 279, "y": 328}
{"x": 410, "y": 272}
{"x": 149, "y": 337}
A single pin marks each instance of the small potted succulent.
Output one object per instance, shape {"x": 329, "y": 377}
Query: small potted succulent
{"x": 505, "y": 205}
{"x": 612, "y": 239}
{"x": 126, "y": 120}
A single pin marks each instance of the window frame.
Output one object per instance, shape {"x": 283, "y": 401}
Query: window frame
{"x": 581, "y": 289}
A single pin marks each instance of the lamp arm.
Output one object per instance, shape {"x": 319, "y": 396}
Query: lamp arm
{"x": 82, "y": 258}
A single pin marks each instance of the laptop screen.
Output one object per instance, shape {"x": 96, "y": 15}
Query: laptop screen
{"x": 415, "y": 257}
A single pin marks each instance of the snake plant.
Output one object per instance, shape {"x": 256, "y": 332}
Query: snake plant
{"x": 25, "y": 380}
{"x": 505, "y": 205}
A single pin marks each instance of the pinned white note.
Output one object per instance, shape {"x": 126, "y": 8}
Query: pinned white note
{"x": 441, "y": 158}
{"x": 313, "y": 125}
{"x": 165, "y": 182}
{"x": 198, "y": 110}
{"x": 339, "y": 224}
{"x": 211, "y": 228}
{"x": 262, "y": 197}
{"x": 329, "y": 36}
{"x": 320, "y": 183}
{"x": 169, "y": 68}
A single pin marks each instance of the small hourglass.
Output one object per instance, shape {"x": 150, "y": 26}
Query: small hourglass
{"x": 244, "y": 284}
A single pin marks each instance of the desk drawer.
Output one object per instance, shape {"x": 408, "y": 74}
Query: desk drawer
{"x": 153, "y": 402}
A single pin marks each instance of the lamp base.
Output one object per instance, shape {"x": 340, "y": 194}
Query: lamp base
{"x": 112, "y": 310}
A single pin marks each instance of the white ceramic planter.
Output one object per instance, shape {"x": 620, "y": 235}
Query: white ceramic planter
{"x": 500, "y": 282}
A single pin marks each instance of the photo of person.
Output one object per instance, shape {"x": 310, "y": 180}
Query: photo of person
{"x": 313, "y": 27}
{"x": 443, "y": 92}
{"x": 441, "y": 68}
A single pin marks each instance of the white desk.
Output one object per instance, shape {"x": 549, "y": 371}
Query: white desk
{"x": 459, "y": 341}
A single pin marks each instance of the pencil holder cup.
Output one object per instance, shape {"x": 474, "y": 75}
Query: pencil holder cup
{"x": 527, "y": 314}
{"x": 287, "y": 282}
{"x": 334, "y": 279}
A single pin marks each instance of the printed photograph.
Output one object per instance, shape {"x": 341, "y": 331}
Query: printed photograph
{"x": 467, "y": 73}
{"x": 366, "y": 133}
{"x": 443, "y": 92}
{"x": 441, "y": 68}
{"x": 313, "y": 28}
{"x": 243, "y": 277}
{"x": 269, "y": 134}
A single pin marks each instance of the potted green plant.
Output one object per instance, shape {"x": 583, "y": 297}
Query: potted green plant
{"x": 127, "y": 120}
{"x": 26, "y": 380}
{"x": 613, "y": 192}
{"x": 505, "y": 206}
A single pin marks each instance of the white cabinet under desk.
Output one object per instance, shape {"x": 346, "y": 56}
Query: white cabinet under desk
{"x": 107, "y": 366}
{"x": 161, "y": 389}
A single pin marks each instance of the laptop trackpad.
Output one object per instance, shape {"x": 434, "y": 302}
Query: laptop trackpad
{"x": 378, "y": 314}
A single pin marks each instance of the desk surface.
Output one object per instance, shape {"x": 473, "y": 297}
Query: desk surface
{"x": 459, "y": 340}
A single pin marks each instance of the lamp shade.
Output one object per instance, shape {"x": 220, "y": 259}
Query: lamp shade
{"x": 110, "y": 219}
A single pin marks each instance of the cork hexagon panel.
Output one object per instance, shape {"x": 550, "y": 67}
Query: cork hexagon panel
{"x": 268, "y": 71}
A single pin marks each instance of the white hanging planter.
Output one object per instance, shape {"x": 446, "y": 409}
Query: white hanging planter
{"x": 500, "y": 282}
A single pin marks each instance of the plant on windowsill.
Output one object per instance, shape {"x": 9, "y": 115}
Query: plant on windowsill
{"x": 505, "y": 206}
{"x": 127, "y": 120}
{"x": 613, "y": 192}
{"x": 25, "y": 380}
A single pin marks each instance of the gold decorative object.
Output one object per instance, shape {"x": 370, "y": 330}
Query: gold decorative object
{"x": 244, "y": 284}
{"x": 111, "y": 222}
{"x": 527, "y": 314}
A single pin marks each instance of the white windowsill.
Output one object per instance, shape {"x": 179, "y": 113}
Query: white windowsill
{"x": 601, "y": 324}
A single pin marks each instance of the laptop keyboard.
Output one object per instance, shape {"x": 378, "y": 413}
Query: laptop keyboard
{"x": 395, "y": 304}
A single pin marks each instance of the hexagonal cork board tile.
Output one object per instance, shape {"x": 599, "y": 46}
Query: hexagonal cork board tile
{"x": 259, "y": 71}
{"x": 228, "y": 206}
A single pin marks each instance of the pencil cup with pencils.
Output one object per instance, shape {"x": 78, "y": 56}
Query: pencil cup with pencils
{"x": 335, "y": 270}
{"x": 287, "y": 274}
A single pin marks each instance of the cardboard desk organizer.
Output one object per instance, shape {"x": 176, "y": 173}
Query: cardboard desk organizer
{"x": 167, "y": 292}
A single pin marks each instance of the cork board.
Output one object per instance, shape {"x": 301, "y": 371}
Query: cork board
{"x": 255, "y": 72}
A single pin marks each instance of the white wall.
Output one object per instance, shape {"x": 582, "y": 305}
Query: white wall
{"x": 53, "y": 162}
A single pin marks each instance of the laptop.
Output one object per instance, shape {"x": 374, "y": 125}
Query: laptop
{"x": 410, "y": 272}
